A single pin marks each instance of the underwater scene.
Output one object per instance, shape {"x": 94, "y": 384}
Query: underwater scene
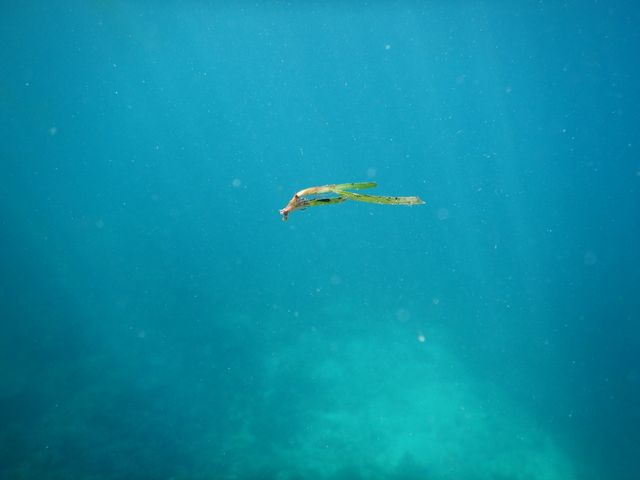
{"x": 455, "y": 292}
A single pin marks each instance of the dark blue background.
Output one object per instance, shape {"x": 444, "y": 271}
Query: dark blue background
{"x": 148, "y": 281}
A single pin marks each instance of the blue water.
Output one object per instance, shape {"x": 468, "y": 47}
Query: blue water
{"x": 160, "y": 321}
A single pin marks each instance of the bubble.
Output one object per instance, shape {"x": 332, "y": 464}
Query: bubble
{"x": 336, "y": 280}
{"x": 236, "y": 183}
{"x": 590, "y": 258}
{"x": 371, "y": 172}
{"x": 100, "y": 223}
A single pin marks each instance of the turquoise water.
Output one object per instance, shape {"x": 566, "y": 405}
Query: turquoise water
{"x": 160, "y": 321}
